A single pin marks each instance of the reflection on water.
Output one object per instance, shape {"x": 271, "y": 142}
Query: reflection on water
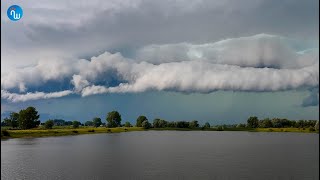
{"x": 163, "y": 155}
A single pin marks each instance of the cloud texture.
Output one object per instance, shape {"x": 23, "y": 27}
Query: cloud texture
{"x": 257, "y": 63}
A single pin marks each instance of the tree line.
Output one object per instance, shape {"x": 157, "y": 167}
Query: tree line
{"x": 29, "y": 118}
{"x": 254, "y": 122}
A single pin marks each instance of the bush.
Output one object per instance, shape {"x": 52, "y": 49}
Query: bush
{"x": 91, "y": 130}
{"x": 311, "y": 129}
{"x": 220, "y": 128}
{"x": 75, "y": 131}
{"x": 75, "y": 124}
{"x": 48, "y": 124}
{"x": 109, "y": 130}
{"x": 5, "y": 133}
{"x": 270, "y": 130}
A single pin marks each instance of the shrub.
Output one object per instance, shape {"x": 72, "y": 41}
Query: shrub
{"x": 311, "y": 129}
{"x": 48, "y": 124}
{"x": 270, "y": 130}
{"x": 109, "y": 130}
{"x": 220, "y": 128}
{"x": 5, "y": 133}
{"x": 91, "y": 130}
{"x": 75, "y": 131}
{"x": 75, "y": 124}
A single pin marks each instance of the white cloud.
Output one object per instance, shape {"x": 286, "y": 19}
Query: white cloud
{"x": 204, "y": 77}
{"x": 79, "y": 83}
{"x": 14, "y": 97}
{"x": 258, "y": 63}
{"x": 261, "y": 50}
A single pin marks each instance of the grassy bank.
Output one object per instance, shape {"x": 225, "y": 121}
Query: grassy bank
{"x": 299, "y": 130}
{"x": 64, "y": 131}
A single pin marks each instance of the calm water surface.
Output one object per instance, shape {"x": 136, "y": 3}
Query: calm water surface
{"x": 163, "y": 155}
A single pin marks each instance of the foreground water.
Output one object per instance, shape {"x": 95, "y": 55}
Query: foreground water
{"x": 163, "y": 155}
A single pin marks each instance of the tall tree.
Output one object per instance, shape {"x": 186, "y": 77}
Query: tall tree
{"x": 265, "y": 123}
{"x": 28, "y": 118}
{"x": 140, "y": 119}
{"x": 113, "y": 119}
{"x": 88, "y": 123}
{"x": 156, "y": 123}
{"x": 194, "y": 124}
{"x": 206, "y": 125}
{"x": 12, "y": 121}
{"x": 253, "y": 122}
{"x": 96, "y": 122}
{"x": 145, "y": 124}
{"x": 76, "y": 124}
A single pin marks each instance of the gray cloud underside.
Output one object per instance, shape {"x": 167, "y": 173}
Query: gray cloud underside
{"x": 257, "y": 63}
{"x": 87, "y": 28}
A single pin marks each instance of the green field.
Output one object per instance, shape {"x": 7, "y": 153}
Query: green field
{"x": 63, "y": 131}
{"x": 67, "y": 130}
{"x": 301, "y": 130}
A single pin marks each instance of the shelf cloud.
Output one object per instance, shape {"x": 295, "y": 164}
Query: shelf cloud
{"x": 257, "y": 63}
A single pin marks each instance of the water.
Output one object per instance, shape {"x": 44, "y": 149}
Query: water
{"x": 163, "y": 155}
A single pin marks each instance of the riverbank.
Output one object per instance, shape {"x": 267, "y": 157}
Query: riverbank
{"x": 63, "y": 131}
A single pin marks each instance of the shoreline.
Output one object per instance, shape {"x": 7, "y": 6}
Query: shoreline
{"x": 35, "y": 133}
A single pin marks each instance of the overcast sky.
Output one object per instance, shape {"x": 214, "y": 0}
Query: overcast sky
{"x": 210, "y": 60}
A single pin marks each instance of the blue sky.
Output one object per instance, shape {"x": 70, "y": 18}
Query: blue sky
{"x": 215, "y": 61}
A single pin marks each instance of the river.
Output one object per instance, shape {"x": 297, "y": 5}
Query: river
{"x": 164, "y": 155}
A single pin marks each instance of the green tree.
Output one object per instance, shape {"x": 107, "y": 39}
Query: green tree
{"x": 194, "y": 124}
{"x": 206, "y": 125}
{"x": 88, "y": 123}
{"x": 113, "y": 119}
{"x": 127, "y": 124}
{"x": 96, "y": 121}
{"x": 163, "y": 123}
{"x": 253, "y": 122}
{"x": 300, "y": 124}
{"x": 12, "y": 120}
{"x": 28, "y": 118}
{"x": 316, "y": 127}
{"x": 75, "y": 124}
{"x": 241, "y": 125}
{"x": 49, "y": 124}
{"x": 140, "y": 119}
{"x": 145, "y": 124}
{"x": 182, "y": 124}
{"x": 266, "y": 123}
{"x": 68, "y": 123}
{"x": 156, "y": 123}
{"x": 172, "y": 124}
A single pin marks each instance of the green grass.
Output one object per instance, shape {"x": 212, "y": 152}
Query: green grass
{"x": 67, "y": 130}
{"x": 63, "y": 131}
{"x": 301, "y": 130}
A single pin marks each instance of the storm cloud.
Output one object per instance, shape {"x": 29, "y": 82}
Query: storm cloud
{"x": 257, "y": 63}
